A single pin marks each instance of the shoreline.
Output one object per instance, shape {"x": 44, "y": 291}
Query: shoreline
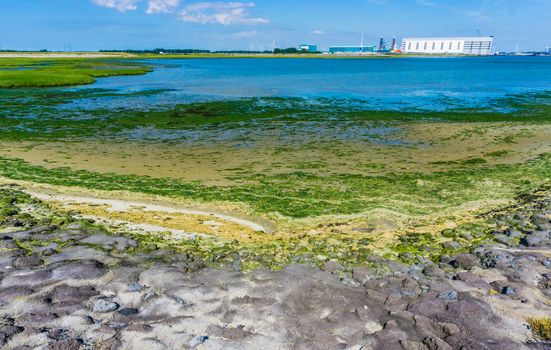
{"x": 66, "y": 282}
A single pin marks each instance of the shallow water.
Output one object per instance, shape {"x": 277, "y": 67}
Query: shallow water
{"x": 394, "y": 83}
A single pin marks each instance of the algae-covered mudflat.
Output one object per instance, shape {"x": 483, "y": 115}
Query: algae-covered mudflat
{"x": 337, "y": 172}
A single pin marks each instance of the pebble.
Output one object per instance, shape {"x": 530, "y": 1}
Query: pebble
{"x": 198, "y": 340}
{"x": 105, "y": 306}
{"x": 372, "y": 327}
{"x": 135, "y": 287}
{"x": 450, "y": 295}
{"x": 128, "y": 311}
{"x": 508, "y": 291}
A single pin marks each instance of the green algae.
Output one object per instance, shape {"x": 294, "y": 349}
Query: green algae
{"x": 301, "y": 195}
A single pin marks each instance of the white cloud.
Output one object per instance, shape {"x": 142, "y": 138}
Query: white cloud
{"x": 162, "y": 6}
{"x": 318, "y": 32}
{"x": 153, "y": 6}
{"x": 121, "y": 5}
{"x": 221, "y": 13}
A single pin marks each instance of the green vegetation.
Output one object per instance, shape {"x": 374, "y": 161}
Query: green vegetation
{"x": 57, "y": 121}
{"x": 541, "y": 327}
{"x": 34, "y": 72}
{"x": 314, "y": 249}
{"x": 301, "y": 195}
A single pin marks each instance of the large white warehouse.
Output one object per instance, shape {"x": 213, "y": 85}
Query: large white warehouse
{"x": 452, "y": 46}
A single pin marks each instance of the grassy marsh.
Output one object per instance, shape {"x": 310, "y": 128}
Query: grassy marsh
{"x": 39, "y": 72}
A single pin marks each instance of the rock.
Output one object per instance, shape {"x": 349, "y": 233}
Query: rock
{"x": 412, "y": 345}
{"x": 530, "y": 241}
{"x": 66, "y": 293}
{"x": 235, "y": 333}
{"x": 494, "y": 259}
{"x": 8, "y": 330}
{"x": 450, "y": 329}
{"x": 472, "y": 280}
{"x": 372, "y": 327}
{"x": 332, "y": 267}
{"x": 361, "y": 274}
{"x": 35, "y": 230}
{"x": 109, "y": 242}
{"x": 104, "y": 306}
{"x": 27, "y": 261}
{"x": 508, "y": 291}
{"x": 513, "y": 233}
{"x": 465, "y": 261}
{"x": 69, "y": 344}
{"x": 450, "y": 295}
{"x": 433, "y": 271}
{"x": 450, "y": 245}
{"x": 540, "y": 219}
{"x": 504, "y": 239}
{"x": 128, "y": 311}
{"x": 135, "y": 287}
{"x": 79, "y": 270}
{"x": 467, "y": 236}
{"x": 499, "y": 286}
{"x": 434, "y": 343}
{"x": 198, "y": 340}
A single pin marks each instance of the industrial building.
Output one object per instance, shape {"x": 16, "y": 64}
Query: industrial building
{"x": 308, "y": 48}
{"x": 351, "y": 49}
{"x": 449, "y": 46}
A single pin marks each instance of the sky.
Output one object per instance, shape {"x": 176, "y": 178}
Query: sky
{"x": 88, "y": 25}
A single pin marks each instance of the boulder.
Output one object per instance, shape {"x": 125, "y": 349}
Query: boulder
{"x": 465, "y": 261}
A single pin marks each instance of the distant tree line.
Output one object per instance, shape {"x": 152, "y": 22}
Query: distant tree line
{"x": 160, "y": 51}
{"x": 292, "y": 50}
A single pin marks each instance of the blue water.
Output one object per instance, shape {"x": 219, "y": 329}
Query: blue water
{"x": 397, "y": 83}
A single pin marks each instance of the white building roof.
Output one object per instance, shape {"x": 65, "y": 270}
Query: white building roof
{"x": 472, "y": 38}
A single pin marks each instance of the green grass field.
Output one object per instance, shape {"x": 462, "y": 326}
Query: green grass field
{"x": 40, "y": 72}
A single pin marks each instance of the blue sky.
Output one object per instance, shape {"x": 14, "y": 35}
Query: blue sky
{"x": 133, "y": 24}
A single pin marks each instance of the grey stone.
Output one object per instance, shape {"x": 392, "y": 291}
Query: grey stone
{"x": 465, "y": 261}
{"x": 450, "y": 245}
{"x": 69, "y": 344}
{"x": 540, "y": 219}
{"x": 135, "y": 287}
{"x": 198, "y": 340}
{"x": 332, "y": 267}
{"x": 412, "y": 345}
{"x": 128, "y": 311}
{"x": 504, "y": 239}
{"x": 66, "y": 293}
{"x": 104, "y": 306}
{"x": 27, "y": 261}
{"x": 434, "y": 343}
{"x": 450, "y": 329}
{"x": 361, "y": 274}
{"x": 79, "y": 270}
{"x": 530, "y": 241}
{"x": 513, "y": 233}
{"x": 450, "y": 295}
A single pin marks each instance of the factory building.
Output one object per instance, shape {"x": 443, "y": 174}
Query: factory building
{"x": 308, "y": 48}
{"x": 351, "y": 49}
{"x": 448, "y": 46}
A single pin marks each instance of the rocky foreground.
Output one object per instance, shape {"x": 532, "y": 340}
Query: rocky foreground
{"x": 67, "y": 284}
